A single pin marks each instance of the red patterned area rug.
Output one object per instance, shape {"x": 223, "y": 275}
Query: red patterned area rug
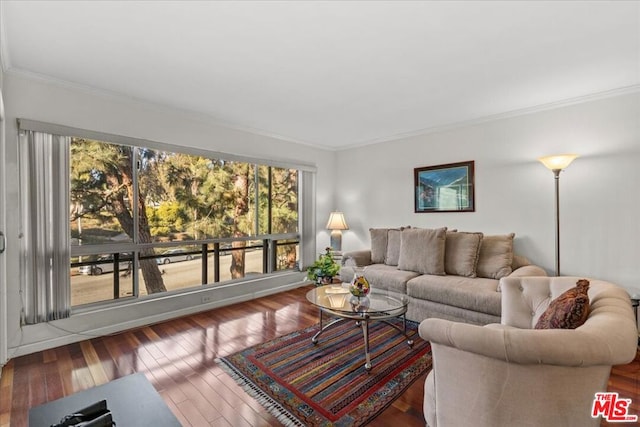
{"x": 326, "y": 384}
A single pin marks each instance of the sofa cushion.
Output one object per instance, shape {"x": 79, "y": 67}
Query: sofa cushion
{"x": 569, "y": 310}
{"x": 388, "y": 278}
{"x": 378, "y": 244}
{"x": 422, "y": 250}
{"x": 496, "y": 256}
{"x": 475, "y": 294}
{"x": 461, "y": 253}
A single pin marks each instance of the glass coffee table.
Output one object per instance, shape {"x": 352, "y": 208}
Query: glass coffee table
{"x": 336, "y": 300}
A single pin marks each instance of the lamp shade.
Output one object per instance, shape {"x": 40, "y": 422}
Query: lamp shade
{"x": 337, "y": 222}
{"x": 558, "y": 161}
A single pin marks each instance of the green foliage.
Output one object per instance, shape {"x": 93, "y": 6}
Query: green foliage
{"x": 324, "y": 266}
{"x": 179, "y": 194}
{"x": 101, "y": 184}
{"x": 166, "y": 218}
{"x": 160, "y": 231}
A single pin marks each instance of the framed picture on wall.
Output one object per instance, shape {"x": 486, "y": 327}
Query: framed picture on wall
{"x": 444, "y": 188}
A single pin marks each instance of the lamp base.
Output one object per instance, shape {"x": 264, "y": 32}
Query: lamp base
{"x": 336, "y": 240}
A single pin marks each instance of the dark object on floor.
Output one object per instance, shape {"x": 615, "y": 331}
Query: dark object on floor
{"x": 132, "y": 401}
{"x": 97, "y": 412}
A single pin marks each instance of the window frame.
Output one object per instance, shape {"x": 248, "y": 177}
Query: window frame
{"x": 304, "y": 172}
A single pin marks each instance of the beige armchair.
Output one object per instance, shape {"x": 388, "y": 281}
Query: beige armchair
{"x": 510, "y": 374}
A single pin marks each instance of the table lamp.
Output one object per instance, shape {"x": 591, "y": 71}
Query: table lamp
{"x": 336, "y": 224}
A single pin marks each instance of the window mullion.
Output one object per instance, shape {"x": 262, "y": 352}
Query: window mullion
{"x": 135, "y": 167}
{"x": 256, "y": 196}
{"x": 270, "y": 200}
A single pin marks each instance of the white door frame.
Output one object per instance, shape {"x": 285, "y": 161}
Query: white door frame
{"x": 3, "y": 240}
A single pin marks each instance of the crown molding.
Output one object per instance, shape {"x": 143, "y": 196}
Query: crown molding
{"x": 212, "y": 120}
{"x": 500, "y": 116}
{"x": 145, "y": 103}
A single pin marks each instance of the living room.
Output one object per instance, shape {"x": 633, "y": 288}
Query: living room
{"x": 591, "y": 111}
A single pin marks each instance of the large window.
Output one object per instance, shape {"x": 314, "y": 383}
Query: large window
{"x": 172, "y": 215}
{"x": 143, "y": 220}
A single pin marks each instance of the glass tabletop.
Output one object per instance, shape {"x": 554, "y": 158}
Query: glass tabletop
{"x": 337, "y": 298}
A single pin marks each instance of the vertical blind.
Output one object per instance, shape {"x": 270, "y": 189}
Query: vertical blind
{"x": 45, "y": 249}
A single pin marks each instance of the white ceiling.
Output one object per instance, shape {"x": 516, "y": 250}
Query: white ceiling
{"x": 333, "y": 74}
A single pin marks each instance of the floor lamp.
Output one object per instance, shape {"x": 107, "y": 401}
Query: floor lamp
{"x": 557, "y": 164}
{"x": 336, "y": 224}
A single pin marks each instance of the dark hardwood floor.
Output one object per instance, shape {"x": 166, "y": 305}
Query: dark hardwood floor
{"x": 178, "y": 357}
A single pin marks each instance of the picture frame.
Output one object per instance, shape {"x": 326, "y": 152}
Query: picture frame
{"x": 445, "y": 188}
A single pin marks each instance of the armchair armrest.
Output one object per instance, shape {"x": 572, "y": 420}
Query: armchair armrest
{"x": 360, "y": 258}
{"x": 586, "y": 346}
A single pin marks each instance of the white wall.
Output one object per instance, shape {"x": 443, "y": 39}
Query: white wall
{"x": 36, "y": 99}
{"x": 373, "y": 185}
{"x": 600, "y": 198}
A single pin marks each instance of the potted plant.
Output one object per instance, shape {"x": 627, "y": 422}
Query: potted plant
{"x": 323, "y": 269}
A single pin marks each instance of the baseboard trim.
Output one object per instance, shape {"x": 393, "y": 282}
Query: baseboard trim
{"x": 100, "y": 322}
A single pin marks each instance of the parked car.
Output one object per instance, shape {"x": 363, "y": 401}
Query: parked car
{"x": 105, "y": 264}
{"x": 174, "y": 255}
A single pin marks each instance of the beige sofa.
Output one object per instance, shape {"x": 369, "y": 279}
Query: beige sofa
{"x": 509, "y": 374}
{"x": 446, "y": 274}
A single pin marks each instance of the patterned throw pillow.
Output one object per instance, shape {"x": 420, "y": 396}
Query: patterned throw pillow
{"x": 569, "y": 310}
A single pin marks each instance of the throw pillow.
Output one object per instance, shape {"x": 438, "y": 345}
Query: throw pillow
{"x": 378, "y": 244}
{"x": 496, "y": 256}
{"x": 422, "y": 250}
{"x": 569, "y": 310}
{"x": 462, "y": 251}
{"x": 393, "y": 246}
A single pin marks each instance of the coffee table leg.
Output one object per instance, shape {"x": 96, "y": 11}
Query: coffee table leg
{"x": 323, "y": 328}
{"x": 402, "y": 330}
{"x": 404, "y": 327}
{"x": 365, "y": 332}
{"x": 315, "y": 337}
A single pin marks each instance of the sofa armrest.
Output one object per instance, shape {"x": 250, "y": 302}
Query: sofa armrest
{"x": 528, "y": 270}
{"x": 360, "y": 258}
{"x": 525, "y": 271}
